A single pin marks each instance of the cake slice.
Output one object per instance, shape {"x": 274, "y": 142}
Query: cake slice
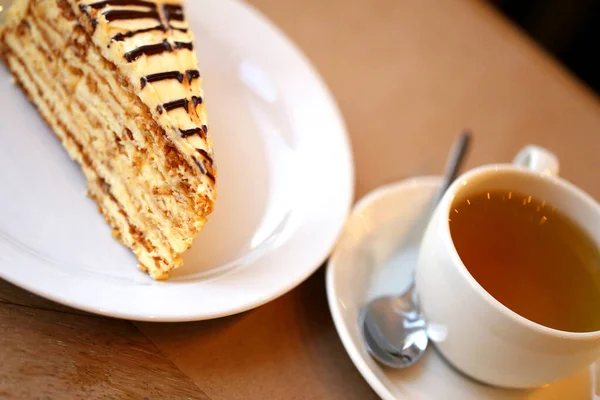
{"x": 118, "y": 83}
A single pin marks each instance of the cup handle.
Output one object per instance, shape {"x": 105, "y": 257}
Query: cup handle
{"x": 537, "y": 159}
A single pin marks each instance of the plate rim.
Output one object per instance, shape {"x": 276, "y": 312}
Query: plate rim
{"x": 255, "y": 18}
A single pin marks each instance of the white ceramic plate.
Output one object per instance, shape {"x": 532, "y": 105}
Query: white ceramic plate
{"x": 366, "y": 263}
{"x": 285, "y": 187}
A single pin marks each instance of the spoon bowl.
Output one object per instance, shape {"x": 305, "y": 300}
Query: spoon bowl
{"x": 392, "y": 328}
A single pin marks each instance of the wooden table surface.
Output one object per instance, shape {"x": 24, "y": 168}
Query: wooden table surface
{"x": 408, "y": 75}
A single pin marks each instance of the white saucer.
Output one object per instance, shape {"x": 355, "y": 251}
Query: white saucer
{"x": 365, "y": 264}
{"x": 285, "y": 187}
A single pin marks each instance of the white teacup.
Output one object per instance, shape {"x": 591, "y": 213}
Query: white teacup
{"x": 484, "y": 339}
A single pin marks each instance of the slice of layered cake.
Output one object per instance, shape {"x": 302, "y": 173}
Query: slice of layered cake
{"x": 118, "y": 83}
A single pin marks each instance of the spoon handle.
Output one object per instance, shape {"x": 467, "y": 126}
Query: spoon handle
{"x": 453, "y": 163}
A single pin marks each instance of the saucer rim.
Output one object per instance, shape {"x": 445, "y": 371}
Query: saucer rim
{"x": 382, "y": 385}
{"x": 341, "y": 326}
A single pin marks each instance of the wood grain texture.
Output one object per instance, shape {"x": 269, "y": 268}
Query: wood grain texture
{"x": 11, "y": 294}
{"x": 287, "y": 349}
{"x": 55, "y": 355}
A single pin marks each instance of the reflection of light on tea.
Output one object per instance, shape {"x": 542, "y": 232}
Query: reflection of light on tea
{"x": 509, "y": 195}
{"x": 531, "y": 258}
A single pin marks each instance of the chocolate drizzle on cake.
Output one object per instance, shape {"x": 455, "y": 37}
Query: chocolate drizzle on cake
{"x": 184, "y": 30}
{"x": 102, "y": 4}
{"x": 183, "y": 45}
{"x": 196, "y": 100}
{"x": 161, "y": 76}
{"x": 173, "y": 75}
{"x": 194, "y": 131}
{"x": 119, "y": 37}
{"x": 164, "y": 14}
{"x": 148, "y": 50}
{"x": 176, "y": 17}
{"x": 192, "y": 74}
{"x": 173, "y": 12}
{"x": 114, "y": 15}
{"x": 189, "y": 132}
{"x": 181, "y": 103}
{"x": 200, "y": 163}
{"x": 206, "y": 156}
{"x": 93, "y": 21}
{"x": 153, "y": 49}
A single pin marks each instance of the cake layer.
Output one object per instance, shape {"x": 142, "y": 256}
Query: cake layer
{"x": 98, "y": 189}
{"x": 148, "y": 190}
